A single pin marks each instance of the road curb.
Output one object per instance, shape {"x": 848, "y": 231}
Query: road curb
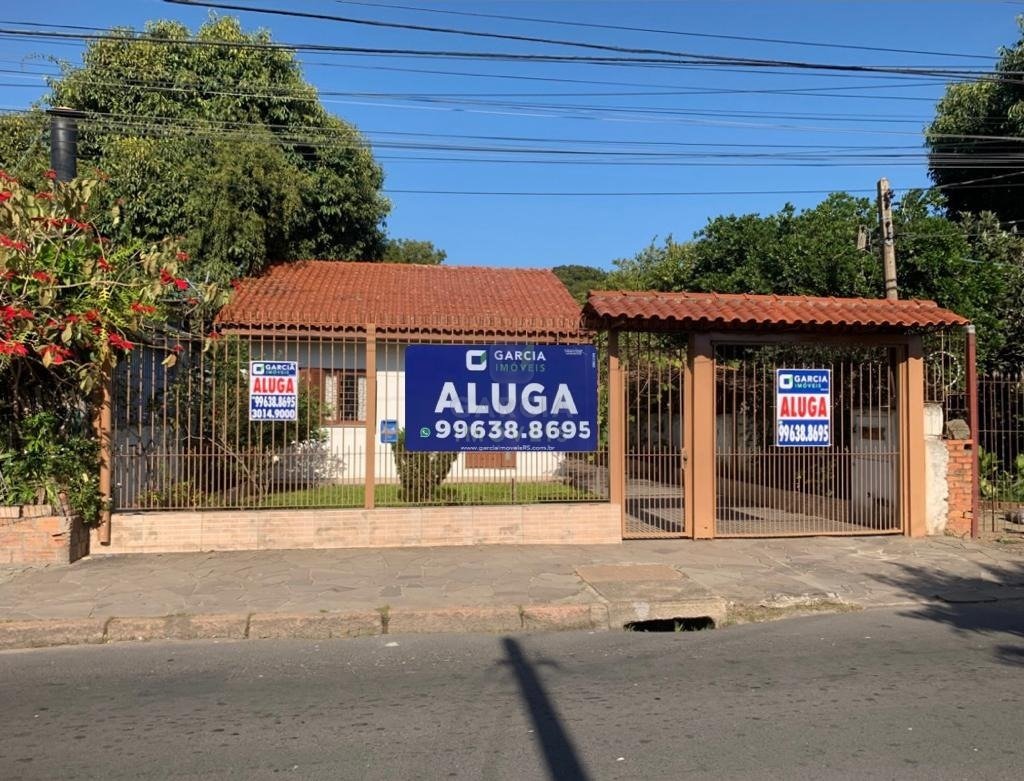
{"x": 43, "y": 633}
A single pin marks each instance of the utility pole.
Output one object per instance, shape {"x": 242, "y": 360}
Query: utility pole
{"x": 888, "y": 242}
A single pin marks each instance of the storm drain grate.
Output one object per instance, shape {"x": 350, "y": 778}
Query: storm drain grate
{"x": 671, "y": 625}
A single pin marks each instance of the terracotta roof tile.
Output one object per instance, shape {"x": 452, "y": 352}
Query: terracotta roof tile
{"x": 715, "y": 311}
{"x": 336, "y": 295}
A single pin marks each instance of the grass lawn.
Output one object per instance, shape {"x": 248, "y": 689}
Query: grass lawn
{"x": 454, "y": 494}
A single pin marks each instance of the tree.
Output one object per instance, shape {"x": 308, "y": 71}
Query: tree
{"x": 225, "y": 146}
{"x": 423, "y": 253}
{"x": 972, "y": 267}
{"x": 72, "y": 303}
{"x": 967, "y": 116}
{"x": 579, "y": 279}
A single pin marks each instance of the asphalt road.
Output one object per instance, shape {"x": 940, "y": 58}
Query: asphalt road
{"x": 929, "y": 693}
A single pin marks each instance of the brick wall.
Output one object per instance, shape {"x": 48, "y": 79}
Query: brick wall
{"x": 34, "y": 534}
{"x": 539, "y": 524}
{"x": 959, "y": 481}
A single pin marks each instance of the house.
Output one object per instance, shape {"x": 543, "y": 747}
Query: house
{"x": 336, "y": 319}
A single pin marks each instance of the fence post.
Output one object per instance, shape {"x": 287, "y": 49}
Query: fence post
{"x": 973, "y": 422}
{"x": 616, "y": 429}
{"x": 102, "y": 425}
{"x": 370, "y": 470}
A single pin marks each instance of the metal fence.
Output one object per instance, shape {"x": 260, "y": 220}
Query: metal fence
{"x": 183, "y": 440}
{"x": 654, "y": 367}
{"x": 1001, "y": 453}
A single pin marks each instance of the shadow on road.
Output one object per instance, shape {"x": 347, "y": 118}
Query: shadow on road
{"x": 559, "y": 752}
{"x": 968, "y": 603}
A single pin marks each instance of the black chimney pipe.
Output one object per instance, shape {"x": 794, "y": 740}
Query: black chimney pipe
{"x": 64, "y": 142}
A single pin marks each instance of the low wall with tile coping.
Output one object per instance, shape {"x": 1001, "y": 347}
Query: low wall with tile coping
{"x": 225, "y": 530}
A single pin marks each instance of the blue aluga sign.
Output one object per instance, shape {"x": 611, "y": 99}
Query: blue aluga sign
{"x": 501, "y": 397}
{"x": 803, "y": 407}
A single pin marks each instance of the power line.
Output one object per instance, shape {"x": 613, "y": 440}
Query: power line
{"x": 674, "y": 61}
{"x": 647, "y": 51}
{"x": 657, "y": 31}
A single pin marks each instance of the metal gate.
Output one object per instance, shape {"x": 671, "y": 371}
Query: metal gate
{"x": 654, "y": 366}
{"x": 850, "y": 487}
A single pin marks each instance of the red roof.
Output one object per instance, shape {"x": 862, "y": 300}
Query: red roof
{"x": 708, "y": 311}
{"x": 341, "y": 295}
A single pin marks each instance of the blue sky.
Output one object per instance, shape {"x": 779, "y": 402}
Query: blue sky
{"x": 733, "y": 115}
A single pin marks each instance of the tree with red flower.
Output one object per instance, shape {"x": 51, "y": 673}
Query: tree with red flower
{"x": 71, "y": 306}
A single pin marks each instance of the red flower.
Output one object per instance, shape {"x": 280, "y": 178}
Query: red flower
{"x": 44, "y": 196}
{"x": 51, "y": 175}
{"x": 166, "y": 277}
{"x": 6, "y": 177}
{"x": 92, "y": 316}
{"x": 42, "y": 276}
{"x": 13, "y": 348}
{"x": 181, "y": 284}
{"x": 71, "y": 319}
{"x": 143, "y": 309}
{"x": 5, "y": 196}
{"x": 56, "y": 352}
{"x": 116, "y": 340}
{"x": 104, "y": 264}
{"x": 181, "y": 256}
{"x": 7, "y": 241}
{"x": 177, "y": 348}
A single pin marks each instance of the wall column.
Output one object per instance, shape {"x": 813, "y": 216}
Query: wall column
{"x": 371, "y": 417}
{"x": 700, "y": 505}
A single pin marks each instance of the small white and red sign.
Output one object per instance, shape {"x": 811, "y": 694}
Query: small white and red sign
{"x": 273, "y": 390}
{"x": 803, "y": 407}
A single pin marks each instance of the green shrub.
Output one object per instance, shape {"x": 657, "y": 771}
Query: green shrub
{"x": 420, "y": 474}
{"x": 53, "y": 457}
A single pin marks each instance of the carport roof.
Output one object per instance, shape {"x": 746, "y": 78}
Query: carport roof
{"x": 651, "y": 310}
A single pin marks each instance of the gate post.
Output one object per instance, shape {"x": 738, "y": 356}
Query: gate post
{"x": 616, "y": 429}
{"x": 912, "y": 439}
{"x": 700, "y": 507}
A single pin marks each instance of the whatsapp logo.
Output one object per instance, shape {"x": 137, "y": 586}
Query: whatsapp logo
{"x": 425, "y": 432}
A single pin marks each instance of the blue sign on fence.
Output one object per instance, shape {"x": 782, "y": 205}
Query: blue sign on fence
{"x": 388, "y": 432}
{"x": 273, "y": 390}
{"x": 500, "y": 397}
{"x": 803, "y": 407}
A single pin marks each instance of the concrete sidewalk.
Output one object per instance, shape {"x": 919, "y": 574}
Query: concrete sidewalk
{"x": 329, "y": 593}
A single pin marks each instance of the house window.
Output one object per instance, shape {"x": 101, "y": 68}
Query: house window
{"x": 343, "y": 396}
{"x": 490, "y": 459}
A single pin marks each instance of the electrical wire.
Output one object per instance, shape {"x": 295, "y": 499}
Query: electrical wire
{"x": 657, "y": 31}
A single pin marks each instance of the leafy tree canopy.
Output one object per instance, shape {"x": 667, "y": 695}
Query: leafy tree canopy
{"x": 225, "y": 146}
{"x": 579, "y": 279}
{"x": 972, "y": 267}
{"x": 413, "y": 251}
{"x": 967, "y": 116}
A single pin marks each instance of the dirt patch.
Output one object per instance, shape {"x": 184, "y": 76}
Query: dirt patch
{"x": 792, "y": 607}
